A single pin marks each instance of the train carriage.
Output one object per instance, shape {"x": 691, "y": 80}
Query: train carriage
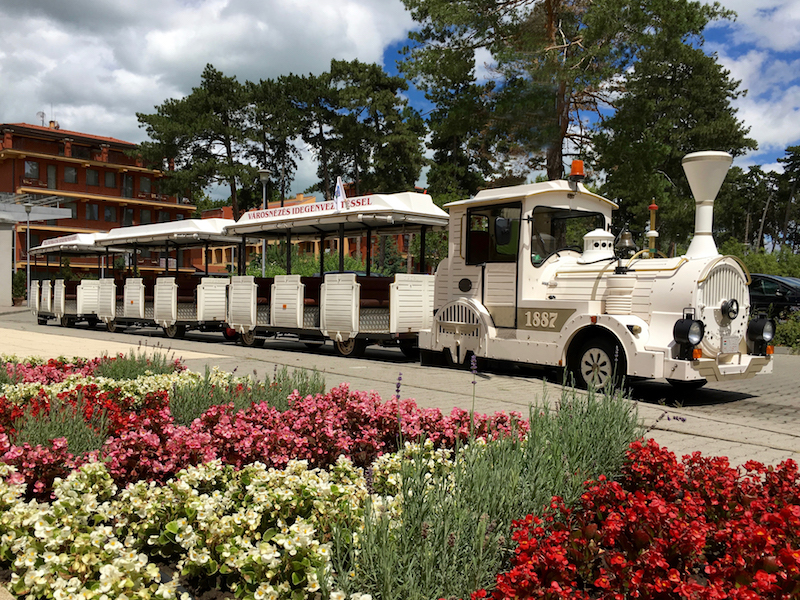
{"x": 350, "y": 309}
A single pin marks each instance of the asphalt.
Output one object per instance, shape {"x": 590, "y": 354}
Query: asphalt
{"x": 754, "y": 419}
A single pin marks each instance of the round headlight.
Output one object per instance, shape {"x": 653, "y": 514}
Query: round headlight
{"x": 688, "y": 331}
{"x": 761, "y": 330}
{"x": 769, "y": 330}
{"x": 696, "y": 331}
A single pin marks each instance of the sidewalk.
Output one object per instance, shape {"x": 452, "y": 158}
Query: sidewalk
{"x": 756, "y": 419}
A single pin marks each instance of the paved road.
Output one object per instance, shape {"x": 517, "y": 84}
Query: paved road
{"x": 753, "y": 419}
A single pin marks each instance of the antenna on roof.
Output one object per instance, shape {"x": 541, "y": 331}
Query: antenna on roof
{"x": 41, "y": 115}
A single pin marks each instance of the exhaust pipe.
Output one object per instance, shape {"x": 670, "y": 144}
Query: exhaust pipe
{"x": 705, "y": 171}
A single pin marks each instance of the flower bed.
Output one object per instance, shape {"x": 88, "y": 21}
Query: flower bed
{"x": 694, "y": 529}
{"x": 311, "y": 501}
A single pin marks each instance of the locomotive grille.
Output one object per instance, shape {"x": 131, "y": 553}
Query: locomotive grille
{"x": 461, "y": 315}
{"x": 725, "y": 282}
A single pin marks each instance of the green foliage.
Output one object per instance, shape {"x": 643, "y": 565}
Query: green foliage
{"x": 787, "y": 332}
{"x": 454, "y": 533}
{"x": 550, "y": 62}
{"x": 62, "y": 421}
{"x": 135, "y": 364}
{"x": 204, "y": 134}
{"x": 190, "y": 400}
{"x": 676, "y": 101}
{"x": 19, "y": 284}
{"x": 303, "y": 264}
{"x": 781, "y": 262}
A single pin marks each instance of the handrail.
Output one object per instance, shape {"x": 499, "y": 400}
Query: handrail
{"x": 720, "y": 258}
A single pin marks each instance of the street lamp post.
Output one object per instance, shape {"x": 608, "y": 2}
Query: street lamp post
{"x": 28, "y": 207}
{"x": 263, "y": 175}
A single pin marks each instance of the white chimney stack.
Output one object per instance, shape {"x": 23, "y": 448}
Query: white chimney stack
{"x": 705, "y": 171}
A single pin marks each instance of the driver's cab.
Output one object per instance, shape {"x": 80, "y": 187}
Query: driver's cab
{"x": 501, "y": 239}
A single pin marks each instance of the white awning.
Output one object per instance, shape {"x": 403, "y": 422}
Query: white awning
{"x": 77, "y": 243}
{"x": 188, "y": 232}
{"x": 399, "y": 212}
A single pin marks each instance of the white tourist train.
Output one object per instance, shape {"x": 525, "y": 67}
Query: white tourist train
{"x": 531, "y": 277}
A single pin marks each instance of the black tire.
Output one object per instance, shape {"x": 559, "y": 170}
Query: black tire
{"x": 113, "y": 327}
{"x": 599, "y": 363}
{"x": 41, "y": 321}
{"x": 93, "y": 321}
{"x": 65, "y": 321}
{"x": 687, "y": 386}
{"x": 230, "y": 334}
{"x": 352, "y": 347}
{"x": 249, "y": 339}
{"x": 410, "y": 350}
{"x": 175, "y": 331}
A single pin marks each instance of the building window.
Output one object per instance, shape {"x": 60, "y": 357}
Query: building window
{"x": 70, "y": 175}
{"x": 92, "y": 212}
{"x": 52, "y": 172}
{"x": 163, "y": 216}
{"x": 127, "y": 217}
{"x": 144, "y": 185}
{"x": 127, "y": 186}
{"x": 80, "y": 151}
{"x": 179, "y": 217}
{"x": 111, "y": 179}
{"x": 92, "y": 177}
{"x": 31, "y": 169}
{"x": 145, "y": 216}
{"x": 110, "y": 214}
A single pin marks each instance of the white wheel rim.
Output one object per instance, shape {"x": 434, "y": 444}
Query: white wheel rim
{"x": 248, "y": 338}
{"x": 597, "y": 367}
{"x": 347, "y": 347}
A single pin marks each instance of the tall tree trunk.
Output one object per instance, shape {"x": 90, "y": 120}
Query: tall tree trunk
{"x": 323, "y": 155}
{"x": 555, "y": 153}
{"x": 788, "y": 210}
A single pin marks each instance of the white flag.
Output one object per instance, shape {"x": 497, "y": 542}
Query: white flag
{"x": 339, "y": 195}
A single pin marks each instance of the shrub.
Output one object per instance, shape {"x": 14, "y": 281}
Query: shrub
{"x": 696, "y": 529}
{"x": 787, "y": 333}
{"x": 447, "y": 528}
{"x": 83, "y": 430}
{"x": 137, "y": 363}
{"x": 189, "y": 400}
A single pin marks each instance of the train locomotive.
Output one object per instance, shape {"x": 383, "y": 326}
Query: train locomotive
{"x": 532, "y": 277}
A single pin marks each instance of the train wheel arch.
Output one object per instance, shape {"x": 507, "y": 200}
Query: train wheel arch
{"x": 596, "y": 356}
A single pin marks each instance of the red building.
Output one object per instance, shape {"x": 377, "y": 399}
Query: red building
{"x": 99, "y": 178}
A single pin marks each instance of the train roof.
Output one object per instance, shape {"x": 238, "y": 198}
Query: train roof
{"x": 76, "y": 243}
{"x": 376, "y": 211}
{"x": 188, "y": 232}
{"x": 554, "y": 189}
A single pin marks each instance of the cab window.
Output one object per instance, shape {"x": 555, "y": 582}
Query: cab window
{"x": 556, "y": 229}
{"x": 493, "y": 233}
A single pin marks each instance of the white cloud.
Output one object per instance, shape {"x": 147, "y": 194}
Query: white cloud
{"x": 768, "y": 24}
{"x": 98, "y": 62}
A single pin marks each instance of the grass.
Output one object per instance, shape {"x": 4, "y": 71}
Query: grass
{"x": 189, "y": 401}
{"x": 62, "y": 420}
{"x": 454, "y": 535}
{"x": 136, "y": 363}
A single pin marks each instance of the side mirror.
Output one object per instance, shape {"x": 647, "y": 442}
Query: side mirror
{"x": 502, "y": 231}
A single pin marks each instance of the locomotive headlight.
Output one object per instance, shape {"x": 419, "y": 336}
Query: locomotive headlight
{"x": 761, "y": 330}
{"x": 730, "y": 309}
{"x": 688, "y": 331}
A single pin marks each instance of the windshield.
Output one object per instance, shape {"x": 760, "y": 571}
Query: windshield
{"x": 556, "y": 229}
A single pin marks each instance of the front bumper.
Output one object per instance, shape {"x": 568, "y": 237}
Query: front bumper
{"x": 737, "y": 366}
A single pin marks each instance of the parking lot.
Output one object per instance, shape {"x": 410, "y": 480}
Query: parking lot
{"x": 750, "y": 419}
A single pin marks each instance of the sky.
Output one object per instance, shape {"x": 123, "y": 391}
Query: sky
{"x": 93, "y": 64}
